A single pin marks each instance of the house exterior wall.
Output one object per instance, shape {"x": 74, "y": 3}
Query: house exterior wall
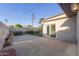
{"x": 65, "y": 28}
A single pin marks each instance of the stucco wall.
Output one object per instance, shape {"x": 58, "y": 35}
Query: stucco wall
{"x": 65, "y": 28}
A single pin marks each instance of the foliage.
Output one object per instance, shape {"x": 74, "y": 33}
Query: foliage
{"x": 18, "y": 33}
{"x": 18, "y": 25}
{"x": 29, "y": 32}
{"x": 41, "y": 20}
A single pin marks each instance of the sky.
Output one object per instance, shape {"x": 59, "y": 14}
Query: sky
{"x": 21, "y": 13}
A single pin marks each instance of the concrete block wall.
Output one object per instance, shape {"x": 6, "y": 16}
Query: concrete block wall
{"x": 4, "y": 32}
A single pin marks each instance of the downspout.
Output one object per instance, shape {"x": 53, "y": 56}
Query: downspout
{"x": 78, "y": 30}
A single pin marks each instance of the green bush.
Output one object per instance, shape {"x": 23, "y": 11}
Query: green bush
{"x": 29, "y": 32}
{"x": 36, "y": 32}
{"x": 18, "y": 33}
{"x": 26, "y": 32}
{"x": 32, "y": 32}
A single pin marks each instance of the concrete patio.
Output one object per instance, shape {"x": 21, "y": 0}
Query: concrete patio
{"x": 29, "y": 45}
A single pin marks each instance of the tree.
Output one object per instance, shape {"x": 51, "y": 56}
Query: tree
{"x": 18, "y": 25}
{"x": 41, "y": 20}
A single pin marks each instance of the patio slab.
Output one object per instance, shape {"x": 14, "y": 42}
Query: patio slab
{"x": 29, "y": 45}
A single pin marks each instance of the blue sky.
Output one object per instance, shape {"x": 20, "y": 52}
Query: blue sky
{"x": 22, "y": 12}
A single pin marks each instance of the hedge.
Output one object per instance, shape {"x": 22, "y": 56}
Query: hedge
{"x": 18, "y": 33}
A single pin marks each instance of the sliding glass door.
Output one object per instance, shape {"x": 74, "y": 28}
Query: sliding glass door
{"x": 53, "y": 30}
{"x": 47, "y": 30}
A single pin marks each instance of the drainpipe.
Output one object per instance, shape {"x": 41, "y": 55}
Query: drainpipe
{"x": 78, "y": 30}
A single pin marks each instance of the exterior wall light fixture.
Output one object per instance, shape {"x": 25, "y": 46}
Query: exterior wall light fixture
{"x": 74, "y": 7}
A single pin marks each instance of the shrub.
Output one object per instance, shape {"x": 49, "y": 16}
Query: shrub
{"x": 18, "y": 33}
{"x": 32, "y": 32}
{"x": 36, "y": 32}
{"x": 29, "y": 32}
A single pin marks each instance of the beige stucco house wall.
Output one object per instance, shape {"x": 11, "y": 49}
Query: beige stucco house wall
{"x": 65, "y": 27}
{"x": 72, "y": 10}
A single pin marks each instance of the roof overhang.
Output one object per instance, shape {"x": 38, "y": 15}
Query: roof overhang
{"x": 67, "y": 9}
